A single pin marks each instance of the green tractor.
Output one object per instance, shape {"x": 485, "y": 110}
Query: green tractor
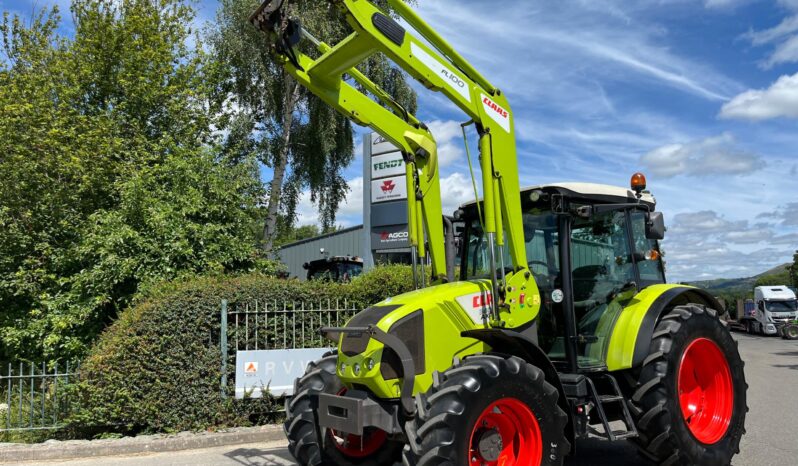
{"x": 561, "y": 327}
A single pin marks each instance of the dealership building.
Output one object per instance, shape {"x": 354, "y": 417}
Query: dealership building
{"x": 383, "y": 237}
{"x": 349, "y": 242}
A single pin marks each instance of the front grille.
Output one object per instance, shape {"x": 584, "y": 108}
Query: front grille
{"x": 411, "y": 331}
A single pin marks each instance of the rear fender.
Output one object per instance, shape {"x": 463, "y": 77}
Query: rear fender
{"x": 513, "y": 343}
{"x": 631, "y": 337}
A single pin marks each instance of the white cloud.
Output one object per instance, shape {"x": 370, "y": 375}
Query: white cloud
{"x": 554, "y": 53}
{"x": 711, "y": 156}
{"x": 456, "y": 189}
{"x": 449, "y": 137}
{"x": 787, "y": 52}
{"x": 786, "y": 215}
{"x": 703, "y": 222}
{"x": 785, "y": 28}
{"x": 705, "y": 244}
{"x": 779, "y": 100}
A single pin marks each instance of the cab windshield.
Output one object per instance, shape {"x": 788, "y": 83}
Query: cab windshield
{"x": 540, "y": 234}
{"x": 782, "y": 306}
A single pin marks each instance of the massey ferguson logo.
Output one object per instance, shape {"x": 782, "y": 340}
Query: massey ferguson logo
{"x": 388, "y": 186}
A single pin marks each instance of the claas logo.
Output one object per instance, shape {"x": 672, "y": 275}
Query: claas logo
{"x": 495, "y": 107}
{"x": 482, "y": 300}
{"x": 388, "y": 186}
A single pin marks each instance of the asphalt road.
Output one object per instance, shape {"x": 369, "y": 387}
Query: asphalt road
{"x": 772, "y": 424}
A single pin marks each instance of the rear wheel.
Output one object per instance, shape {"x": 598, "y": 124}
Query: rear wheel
{"x": 488, "y": 410}
{"x": 690, "y": 399}
{"x": 312, "y": 447}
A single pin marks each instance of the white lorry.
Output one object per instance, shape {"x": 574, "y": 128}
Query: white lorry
{"x": 774, "y": 308}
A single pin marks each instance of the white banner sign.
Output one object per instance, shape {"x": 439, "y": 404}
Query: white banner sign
{"x": 392, "y": 164}
{"x": 275, "y": 370}
{"x": 389, "y": 189}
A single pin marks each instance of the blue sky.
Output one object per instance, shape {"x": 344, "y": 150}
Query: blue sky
{"x": 701, "y": 95}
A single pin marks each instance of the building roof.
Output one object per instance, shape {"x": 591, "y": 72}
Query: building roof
{"x": 316, "y": 238}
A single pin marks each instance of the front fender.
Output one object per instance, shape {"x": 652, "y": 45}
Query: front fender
{"x": 631, "y": 337}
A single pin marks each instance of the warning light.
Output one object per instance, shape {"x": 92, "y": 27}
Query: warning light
{"x": 638, "y": 183}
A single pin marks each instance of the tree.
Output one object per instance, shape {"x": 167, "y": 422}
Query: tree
{"x": 794, "y": 270}
{"x": 775, "y": 279}
{"x": 112, "y": 180}
{"x": 305, "y": 142}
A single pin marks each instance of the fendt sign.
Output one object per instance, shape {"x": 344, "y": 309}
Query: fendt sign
{"x": 387, "y": 165}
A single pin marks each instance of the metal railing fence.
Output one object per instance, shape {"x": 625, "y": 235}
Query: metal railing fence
{"x": 270, "y": 325}
{"x": 32, "y": 396}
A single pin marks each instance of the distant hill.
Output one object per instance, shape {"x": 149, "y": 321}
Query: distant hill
{"x": 735, "y": 285}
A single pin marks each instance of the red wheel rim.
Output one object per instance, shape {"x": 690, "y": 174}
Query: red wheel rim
{"x": 356, "y": 446}
{"x": 516, "y": 425}
{"x": 706, "y": 392}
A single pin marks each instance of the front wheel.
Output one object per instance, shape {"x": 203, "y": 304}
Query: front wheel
{"x": 488, "y": 410}
{"x": 790, "y": 332}
{"x": 690, "y": 399}
{"x": 313, "y": 446}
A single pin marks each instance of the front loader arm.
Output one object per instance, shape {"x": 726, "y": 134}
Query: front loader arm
{"x": 439, "y": 68}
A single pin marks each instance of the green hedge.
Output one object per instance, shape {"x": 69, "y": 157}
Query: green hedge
{"x": 157, "y": 368}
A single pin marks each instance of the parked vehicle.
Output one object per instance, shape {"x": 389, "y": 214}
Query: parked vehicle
{"x": 773, "y": 308}
{"x": 562, "y": 325}
{"x": 339, "y": 269}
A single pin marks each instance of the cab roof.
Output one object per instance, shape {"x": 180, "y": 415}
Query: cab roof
{"x": 593, "y": 191}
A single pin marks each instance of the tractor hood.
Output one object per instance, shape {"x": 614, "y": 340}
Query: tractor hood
{"x": 429, "y": 322}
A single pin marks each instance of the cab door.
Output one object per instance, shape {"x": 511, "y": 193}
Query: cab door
{"x": 603, "y": 280}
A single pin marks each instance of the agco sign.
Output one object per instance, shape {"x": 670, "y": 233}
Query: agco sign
{"x": 386, "y": 237}
{"x": 390, "y": 237}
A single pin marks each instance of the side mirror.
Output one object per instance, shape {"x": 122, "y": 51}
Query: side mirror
{"x": 655, "y": 226}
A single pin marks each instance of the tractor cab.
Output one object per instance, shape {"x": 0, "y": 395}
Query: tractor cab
{"x": 591, "y": 248}
{"x": 339, "y": 269}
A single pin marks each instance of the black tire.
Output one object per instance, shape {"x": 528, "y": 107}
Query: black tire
{"x": 665, "y": 437}
{"x": 790, "y": 332}
{"x": 441, "y": 431}
{"x": 302, "y": 430}
{"x": 748, "y": 327}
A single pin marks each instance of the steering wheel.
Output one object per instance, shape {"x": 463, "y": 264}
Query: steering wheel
{"x": 538, "y": 263}
{"x": 544, "y": 278}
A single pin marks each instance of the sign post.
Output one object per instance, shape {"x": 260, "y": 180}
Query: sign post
{"x": 385, "y": 222}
